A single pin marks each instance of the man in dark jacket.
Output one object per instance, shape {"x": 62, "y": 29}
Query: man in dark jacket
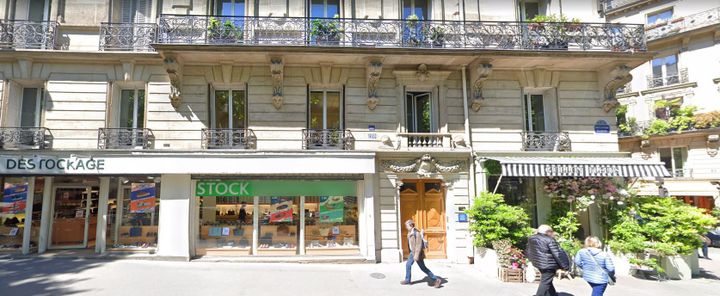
{"x": 546, "y": 255}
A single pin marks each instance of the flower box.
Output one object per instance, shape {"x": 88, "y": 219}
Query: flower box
{"x": 511, "y": 275}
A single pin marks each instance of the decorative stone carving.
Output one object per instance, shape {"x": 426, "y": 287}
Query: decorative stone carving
{"x": 424, "y": 166}
{"x": 713, "y": 145}
{"x": 646, "y": 149}
{"x": 422, "y": 73}
{"x": 374, "y": 69}
{"x": 174, "y": 71}
{"x": 620, "y": 76}
{"x": 459, "y": 141}
{"x": 483, "y": 72}
{"x": 276, "y": 71}
{"x": 387, "y": 143}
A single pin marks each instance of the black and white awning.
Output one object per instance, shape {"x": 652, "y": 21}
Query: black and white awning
{"x": 580, "y": 167}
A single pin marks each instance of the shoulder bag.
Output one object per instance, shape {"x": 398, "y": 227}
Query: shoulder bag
{"x": 611, "y": 278}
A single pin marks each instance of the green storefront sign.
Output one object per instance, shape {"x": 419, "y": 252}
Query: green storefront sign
{"x": 275, "y": 188}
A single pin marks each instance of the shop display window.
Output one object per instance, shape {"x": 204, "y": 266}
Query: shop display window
{"x": 331, "y": 225}
{"x": 133, "y": 214}
{"x": 278, "y": 225}
{"x": 226, "y": 226}
{"x": 13, "y": 204}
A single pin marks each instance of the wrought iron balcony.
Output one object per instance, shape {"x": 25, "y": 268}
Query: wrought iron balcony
{"x": 660, "y": 81}
{"x": 426, "y": 140}
{"x": 683, "y": 24}
{"x": 18, "y": 34}
{"x": 127, "y": 36}
{"x": 337, "y": 32}
{"x": 228, "y": 138}
{"x": 536, "y": 141}
{"x": 125, "y": 138}
{"x": 328, "y": 139}
{"x": 25, "y": 138}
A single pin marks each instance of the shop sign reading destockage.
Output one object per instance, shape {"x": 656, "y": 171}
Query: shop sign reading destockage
{"x": 46, "y": 164}
{"x": 275, "y": 188}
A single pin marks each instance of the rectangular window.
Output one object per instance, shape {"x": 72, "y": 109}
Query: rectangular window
{"x": 325, "y": 108}
{"x": 228, "y": 109}
{"x": 665, "y": 71}
{"x": 535, "y": 113}
{"x": 419, "y": 8}
{"x": 674, "y": 159}
{"x": 529, "y": 10}
{"x": 419, "y": 112}
{"x": 132, "y": 109}
{"x": 230, "y": 7}
{"x": 135, "y": 11}
{"x": 324, "y": 8}
{"x": 38, "y": 10}
{"x": 31, "y": 107}
{"x": 133, "y": 213}
{"x": 660, "y": 16}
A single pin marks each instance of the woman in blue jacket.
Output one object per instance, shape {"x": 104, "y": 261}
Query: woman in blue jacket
{"x": 596, "y": 265}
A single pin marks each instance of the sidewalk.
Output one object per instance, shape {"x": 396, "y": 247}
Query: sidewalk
{"x": 61, "y": 276}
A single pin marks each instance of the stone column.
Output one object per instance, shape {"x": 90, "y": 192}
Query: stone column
{"x": 174, "y": 226}
{"x": 100, "y": 236}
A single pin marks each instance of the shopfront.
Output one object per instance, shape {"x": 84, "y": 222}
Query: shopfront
{"x": 269, "y": 217}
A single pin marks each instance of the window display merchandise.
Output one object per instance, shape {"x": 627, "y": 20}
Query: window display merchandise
{"x": 278, "y": 225}
{"x": 226, "y": 227}
{"x": 331, "y": 225}
{"x": 12, "y": 213}
{"x": 133, "y": 214}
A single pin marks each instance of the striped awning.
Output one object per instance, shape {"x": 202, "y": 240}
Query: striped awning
{"x": 580, "y": 167}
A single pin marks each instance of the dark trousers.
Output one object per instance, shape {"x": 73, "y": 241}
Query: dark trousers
{"x": 546, "y": 287}
{"x": 598, "y": 289}
{"x": 705, "y": 250}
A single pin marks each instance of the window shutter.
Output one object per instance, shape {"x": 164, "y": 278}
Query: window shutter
{"x": 144, "y": 7}
{"x": 126, "y": 11}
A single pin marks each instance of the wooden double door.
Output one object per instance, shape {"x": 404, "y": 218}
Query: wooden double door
{"x": 423, "y": 201}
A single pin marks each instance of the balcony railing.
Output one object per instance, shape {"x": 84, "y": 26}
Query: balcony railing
{"x": 228, "y": 138}
{"x": 426, "y": 140}
{"x": 535, "y": 141}
{"x": 328, "y": 139}
{"x": 660, "y": 81}
{"x": 336, "y": 32}
{"x": 683, "y": 24}
{"x": 127, "y": 36}
{"x": 610, "y": 6}
{"x": 25, "y": 138}
{"x": 125, "y": 138}
{"x": 18, "y": 34}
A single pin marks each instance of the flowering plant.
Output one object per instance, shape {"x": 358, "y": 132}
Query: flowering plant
{"x": 583, "y": 192}
{"x": 509, "y": 256}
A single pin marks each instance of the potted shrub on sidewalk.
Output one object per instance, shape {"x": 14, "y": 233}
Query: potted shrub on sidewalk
{"x": 492, "y": 220}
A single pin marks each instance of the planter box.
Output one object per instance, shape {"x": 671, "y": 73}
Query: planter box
{"x": 680, "y": 267}
{"x": 511, "y": 275}
{"x": 622, "y": 264}
{"x": 486, "y": 261}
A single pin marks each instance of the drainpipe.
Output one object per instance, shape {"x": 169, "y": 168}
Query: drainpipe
{"x": 468, "y": 140}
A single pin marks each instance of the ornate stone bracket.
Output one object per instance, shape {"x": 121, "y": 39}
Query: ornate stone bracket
{"x": 645, "y": 149}
{"x": 713, "y": 145}
{"x": 424, "y": 166}
{"x": 276, "y": 71}
{"x": 620, "y": 76}
{"x": 174, "y": 71}
{"x": 373, "y": 70}
{"x": 483, "y": 72}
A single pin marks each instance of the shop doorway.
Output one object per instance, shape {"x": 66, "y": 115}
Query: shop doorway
{"x": 424, "y": 202}
{"x": 74, "y": 217}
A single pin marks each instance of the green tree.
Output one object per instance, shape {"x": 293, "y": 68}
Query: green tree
{"x": 493, "y": 220}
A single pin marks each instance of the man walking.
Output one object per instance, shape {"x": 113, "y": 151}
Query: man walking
{"x": 417, "y": 246}
{"x": 546, "y": 255}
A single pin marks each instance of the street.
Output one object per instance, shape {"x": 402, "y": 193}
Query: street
{"x": 65, "y": 276}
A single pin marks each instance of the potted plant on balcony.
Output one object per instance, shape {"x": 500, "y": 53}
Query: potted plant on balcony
{"x": 413, "y": 34}
{"x": 326, "y": 31}
{"x": 223, "y": 32}
{"x": 574, "y": 25}
{"x": 437, "y": 36}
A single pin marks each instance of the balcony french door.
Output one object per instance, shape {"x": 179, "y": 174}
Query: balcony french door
{"x": 31, "y": 107}
{"x": 419, "y": 113}
{"x": 135, "y": 11}
{"x": 324, "y": 8}
{"x": 228, "y": 116}
{"x": 535, "y": 116}
{"x": 132, "y": 117}
{"x": 419, "y": 8}
{"x": 325, "y": 119}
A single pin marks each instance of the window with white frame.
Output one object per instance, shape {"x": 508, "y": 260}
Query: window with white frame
{"x": 529, "y": 9}
{"x": 540, "y": 112}
{"x": 31, "y": 107}
{"x": 659, "y": 17}
{"x": 664, "y": 71}
{"x": 230, "y": 7}
{"x": 135, "y": 11}
{"x": 675, "y": 159}
{"x": 419, "y": 8}
{"x": 325, "y": 110}
{"x": 132, "y": 109}
{"x": 38, "y": 10}
{"x": 324, "y": 8}
{"x": 420, "y": 113}
{"x": 228, "y": 109}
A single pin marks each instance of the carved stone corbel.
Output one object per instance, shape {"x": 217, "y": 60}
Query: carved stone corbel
{"x": 645, "y": 149}
{"x": 713, "y": 144}
{"x": 276, "y": 71}
{"x": 174, "y": 71}
{"x": 373, "y": 70}
{"x": 422, "y": 73}
{"x": 620, "y": 76}
{"x": 483, "y": 72}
